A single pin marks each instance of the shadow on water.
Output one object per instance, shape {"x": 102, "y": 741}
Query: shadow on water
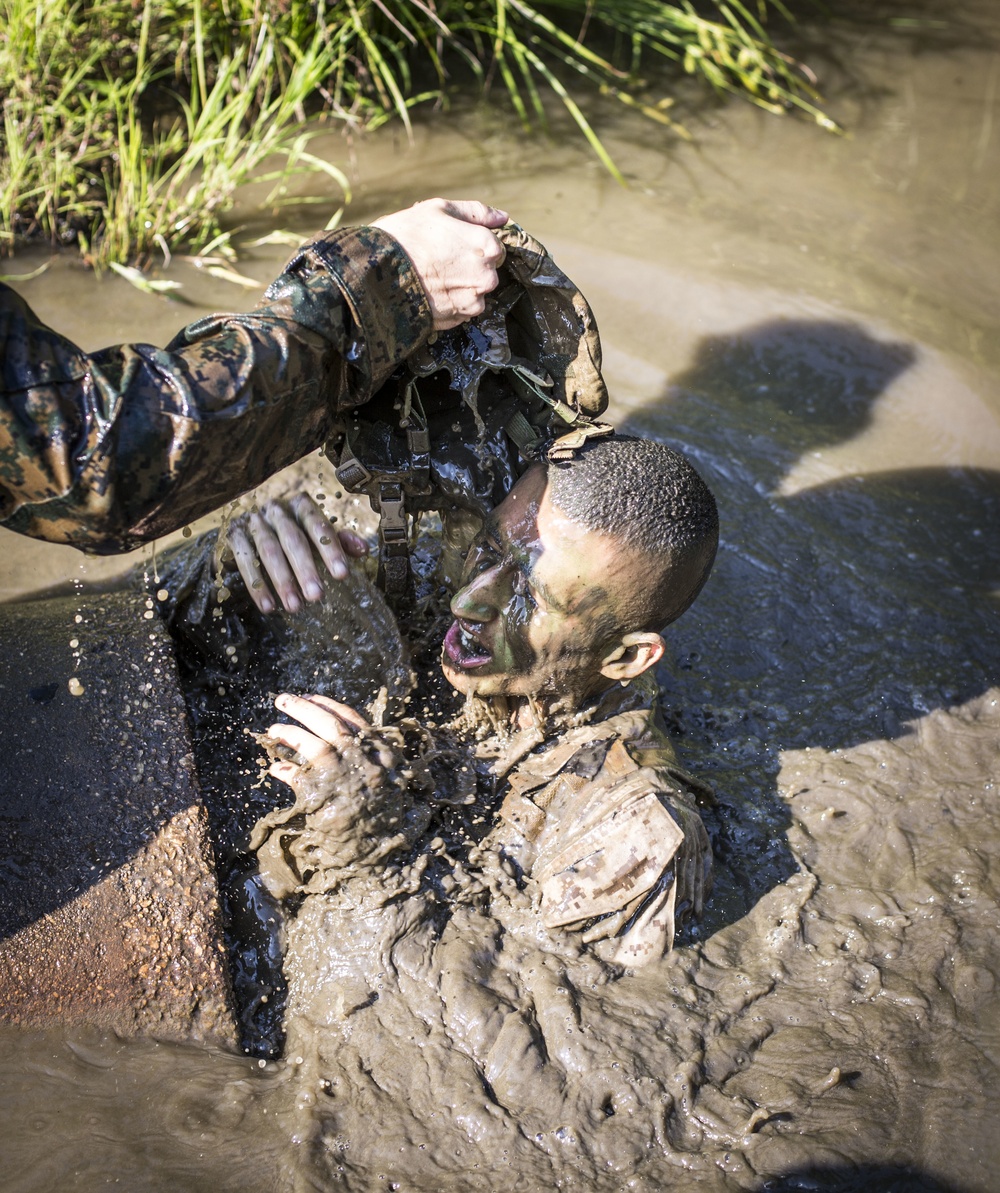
{"x": 866, "y": 1178}
{"x": 836, "y": 614}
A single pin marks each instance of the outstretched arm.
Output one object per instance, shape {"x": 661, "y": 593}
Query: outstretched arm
{"x": 111, "y": 449}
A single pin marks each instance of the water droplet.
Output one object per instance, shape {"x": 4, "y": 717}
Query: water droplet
{"x": 75, "y": 687}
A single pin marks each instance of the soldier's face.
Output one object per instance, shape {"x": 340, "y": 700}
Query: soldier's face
{"x": 531, "y": 617}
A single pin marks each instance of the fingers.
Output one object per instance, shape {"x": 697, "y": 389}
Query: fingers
{"x": 353, "y": 544}
{"x": 277, "y": 544}
{"x": 465, "y": 305}
{"x": 307, "y": 745}
{"x": 249, "y": 568}
{"x": 474, "y": 212}
{"x": 287, "y": 772}
{"x": 454, "y": 253}
{"x": 325, "y": 728}
{"x": 327, "y": 542}
{"x": 344, "y": 711}
{"x": 329, "y": 720}
{"x": 295, "y": 545}
{"x": 494, "y": 253}
{"x": 272, "y": 552}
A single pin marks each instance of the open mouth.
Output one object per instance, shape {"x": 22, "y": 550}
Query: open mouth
{"x": 463, "y": 649}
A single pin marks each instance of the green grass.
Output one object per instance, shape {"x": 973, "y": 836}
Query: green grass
{"x": 127, "y": 129}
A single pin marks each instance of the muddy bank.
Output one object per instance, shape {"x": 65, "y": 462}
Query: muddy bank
{"x": 109, "y": 908}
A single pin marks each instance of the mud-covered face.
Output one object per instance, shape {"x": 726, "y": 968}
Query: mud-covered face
{"x": 539, "y": 594}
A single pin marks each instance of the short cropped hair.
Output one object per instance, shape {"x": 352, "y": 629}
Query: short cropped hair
{"x": 649, "y": 497}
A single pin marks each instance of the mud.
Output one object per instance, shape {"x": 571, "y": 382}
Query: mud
{"x": 814, "y": 321}
{"x": 441, "y": 1038}
{"x": 232, "y": 660}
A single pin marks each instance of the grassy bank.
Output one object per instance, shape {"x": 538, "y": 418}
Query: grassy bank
{"x": 127, "y": 125}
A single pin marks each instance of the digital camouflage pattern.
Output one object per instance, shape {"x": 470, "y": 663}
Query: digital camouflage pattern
{"x": 605, "y": 823}
{"x": 114, "y": 448}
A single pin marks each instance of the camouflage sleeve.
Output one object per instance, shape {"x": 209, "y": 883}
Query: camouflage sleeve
{"x": 111, "y": 449}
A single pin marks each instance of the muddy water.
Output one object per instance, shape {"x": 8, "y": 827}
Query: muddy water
{"x": 814, "y": 320}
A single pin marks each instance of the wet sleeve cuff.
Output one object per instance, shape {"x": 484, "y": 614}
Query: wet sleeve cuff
{"x": 382, "y": 287}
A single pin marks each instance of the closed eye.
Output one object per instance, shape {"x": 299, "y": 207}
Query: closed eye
{"x": 481, "y": 557}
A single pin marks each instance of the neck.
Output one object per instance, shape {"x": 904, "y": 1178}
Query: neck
{"x": 549, "y": 714}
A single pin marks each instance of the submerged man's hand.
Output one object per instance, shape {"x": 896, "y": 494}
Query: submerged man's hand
{"x": 325, "y": 728}
{"x": 329, "y": 734}
{"x": 455, "y": 254}
{"x": 278, "y": 543}
{"x": 350, "y": 806}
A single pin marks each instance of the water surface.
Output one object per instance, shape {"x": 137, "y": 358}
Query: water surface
{"x": 814, "y": 319}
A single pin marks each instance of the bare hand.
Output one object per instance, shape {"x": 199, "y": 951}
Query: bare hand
{"x": 454, "y": 253}
{"x": 279, "y": 542}
{"x": 350, "y": 806}
{"x": 329, "y": 733}
{"x": 325, "y": 727}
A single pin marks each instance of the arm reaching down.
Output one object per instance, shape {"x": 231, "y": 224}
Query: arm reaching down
{"x": 110, "y": 449}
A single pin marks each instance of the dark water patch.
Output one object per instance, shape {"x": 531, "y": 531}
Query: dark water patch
{"x": 68, "y": 757}
{"x": 869, "y": 1178}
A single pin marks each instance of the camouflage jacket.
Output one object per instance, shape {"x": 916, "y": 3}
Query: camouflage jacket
{"x": 110, "y": 449}
{"x": 604, "y": 824}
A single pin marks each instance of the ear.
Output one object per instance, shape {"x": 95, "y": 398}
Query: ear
{"x": 634, "y": 654}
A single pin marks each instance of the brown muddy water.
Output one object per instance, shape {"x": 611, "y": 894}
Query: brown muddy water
{"x": 814, "y": 320}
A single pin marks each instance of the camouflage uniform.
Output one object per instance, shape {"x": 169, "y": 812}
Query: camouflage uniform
{"x": 111, "y": 449}
{"x": 597, "y": 830}
{"x": 604, "y": 823}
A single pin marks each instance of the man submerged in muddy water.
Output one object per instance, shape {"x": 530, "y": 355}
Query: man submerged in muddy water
{"x": 554, "y": 634}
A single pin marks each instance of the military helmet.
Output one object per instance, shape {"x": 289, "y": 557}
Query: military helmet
{"x": 468, "y": 412}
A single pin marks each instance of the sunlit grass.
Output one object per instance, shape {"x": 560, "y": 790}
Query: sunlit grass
{"x": 88, "y": 156}
{"x": 128, "y": 128}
